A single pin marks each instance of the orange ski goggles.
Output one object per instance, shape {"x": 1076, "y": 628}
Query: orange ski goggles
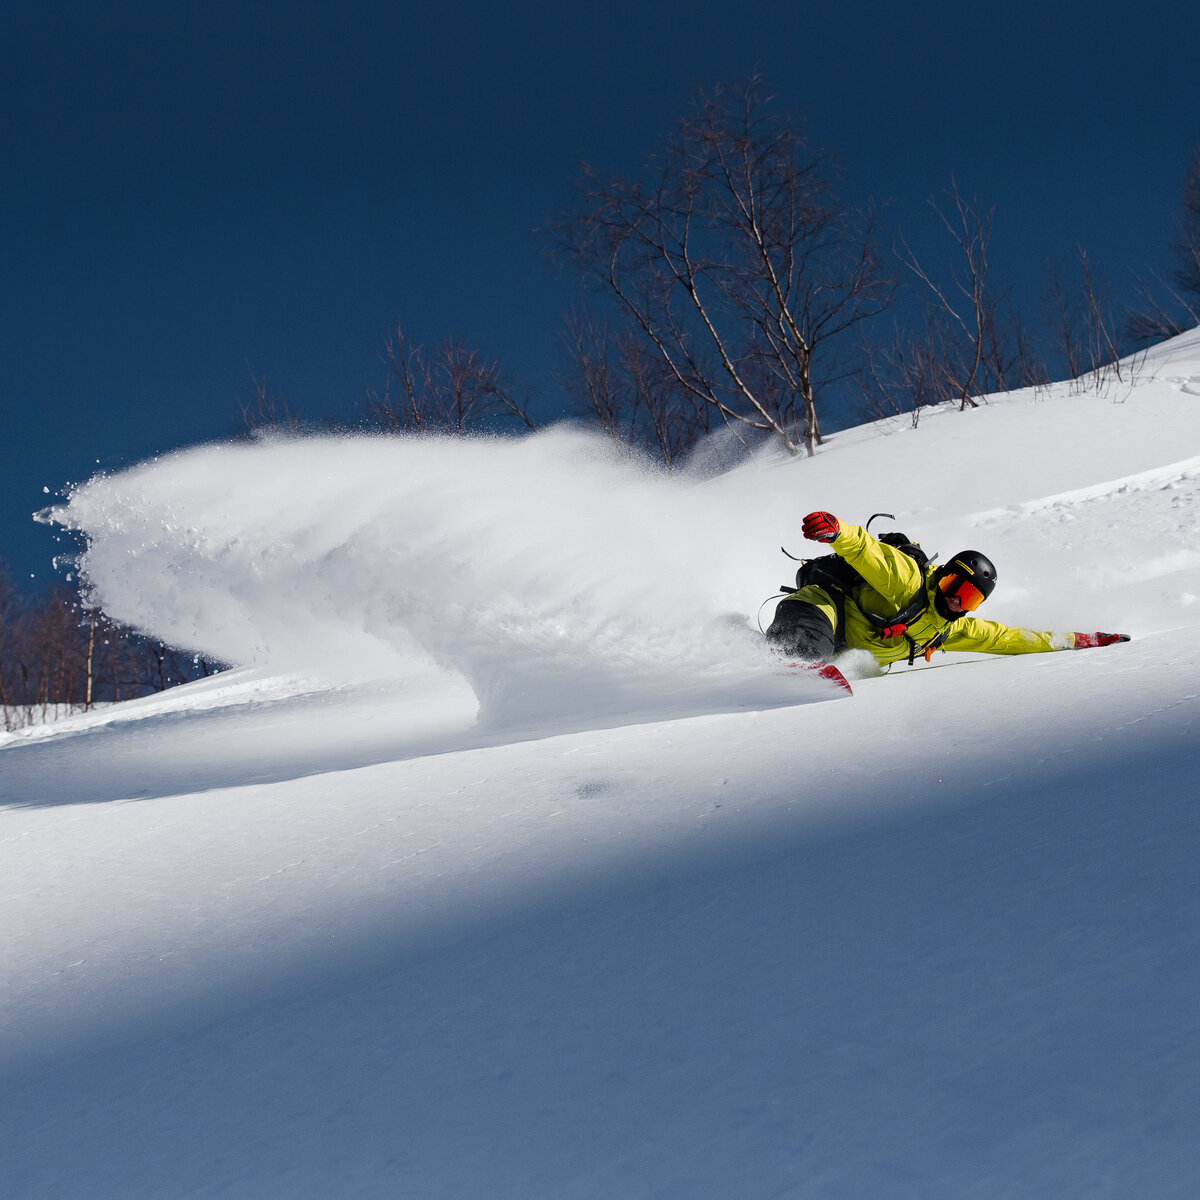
{"x": 955, "y": 587}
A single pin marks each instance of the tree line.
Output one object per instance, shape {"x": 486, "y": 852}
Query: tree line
{"x": 58, "y": 655}
{"x": 727, "y": 285}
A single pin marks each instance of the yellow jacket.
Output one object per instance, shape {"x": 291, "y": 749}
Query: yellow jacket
{"x": 892, "y": 579}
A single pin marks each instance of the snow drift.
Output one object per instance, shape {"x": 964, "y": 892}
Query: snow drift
{"x": 309, "y": 928}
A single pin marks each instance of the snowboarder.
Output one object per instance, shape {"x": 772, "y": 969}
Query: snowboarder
{"x": 897, "y": 609}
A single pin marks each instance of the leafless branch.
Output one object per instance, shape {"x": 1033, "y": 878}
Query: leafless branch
{"x": 733, "y": 262}
{"x": 454, "y": 390}
{"x": 971, "y": 231}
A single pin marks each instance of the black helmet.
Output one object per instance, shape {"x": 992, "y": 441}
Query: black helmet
{"x": 969, "y": 578}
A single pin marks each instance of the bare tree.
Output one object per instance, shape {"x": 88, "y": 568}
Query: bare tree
{"x": 1083, "y": 330}
{"x": 964, "y": 344}
{"x": 1062, "y": 323}
{"x": 454, "y": 390}
{"x": 1101, "y": 344}
{"x": 1156, "y": 317}
{"x": 733, "y": 261}
{"x": 617, "y": 377}
{"x": 1160, "y": 316}
{"x": 58, "y": 654}
{"x": 971, "y": 345}
{"x": 1024, "y": 366}
{"x": 1009, "y": 360}
{"x": 910, "y": 373}
{"x": 10, "y": 616}
{"x": 967, "y": 305}
{"x": 1187, "y": 242}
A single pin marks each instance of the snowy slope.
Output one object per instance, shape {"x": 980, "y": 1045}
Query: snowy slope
{"x": 504, "y": 867}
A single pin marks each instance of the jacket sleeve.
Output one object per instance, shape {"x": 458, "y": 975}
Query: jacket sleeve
{"x": 990, "y": 637}
{"x": 891, "y": 572}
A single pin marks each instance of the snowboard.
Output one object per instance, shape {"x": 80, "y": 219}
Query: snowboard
{"x": 826, "y": 671}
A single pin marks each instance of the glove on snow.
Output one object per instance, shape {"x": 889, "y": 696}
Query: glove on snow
{"x": 821, "y": 527}
{"x": 1085, "y": 641}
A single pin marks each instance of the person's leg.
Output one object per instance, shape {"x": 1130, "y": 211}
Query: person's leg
{"x": 803, "y": 630}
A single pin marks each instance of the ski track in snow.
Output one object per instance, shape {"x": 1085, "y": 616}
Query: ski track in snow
{"x": 1109, "y": 541}
{"x": 1182, "y": 475}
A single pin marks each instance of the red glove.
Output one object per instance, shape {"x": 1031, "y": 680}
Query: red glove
{"x": 1085, "y": 641}
{"x": 821, "y": 527}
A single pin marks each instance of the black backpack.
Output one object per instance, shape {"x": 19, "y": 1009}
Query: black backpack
{"x": 839, "y": 578}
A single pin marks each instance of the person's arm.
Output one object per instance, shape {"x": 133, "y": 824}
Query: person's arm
{"x": 971, "y": 634}
{"x": 891, "y": 572}
{"x": 1087, "y": 641}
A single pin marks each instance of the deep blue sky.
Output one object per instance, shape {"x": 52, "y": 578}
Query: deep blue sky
{"x": 193, "y": 191}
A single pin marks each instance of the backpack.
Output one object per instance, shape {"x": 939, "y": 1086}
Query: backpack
{"x": 839, "y": 579}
